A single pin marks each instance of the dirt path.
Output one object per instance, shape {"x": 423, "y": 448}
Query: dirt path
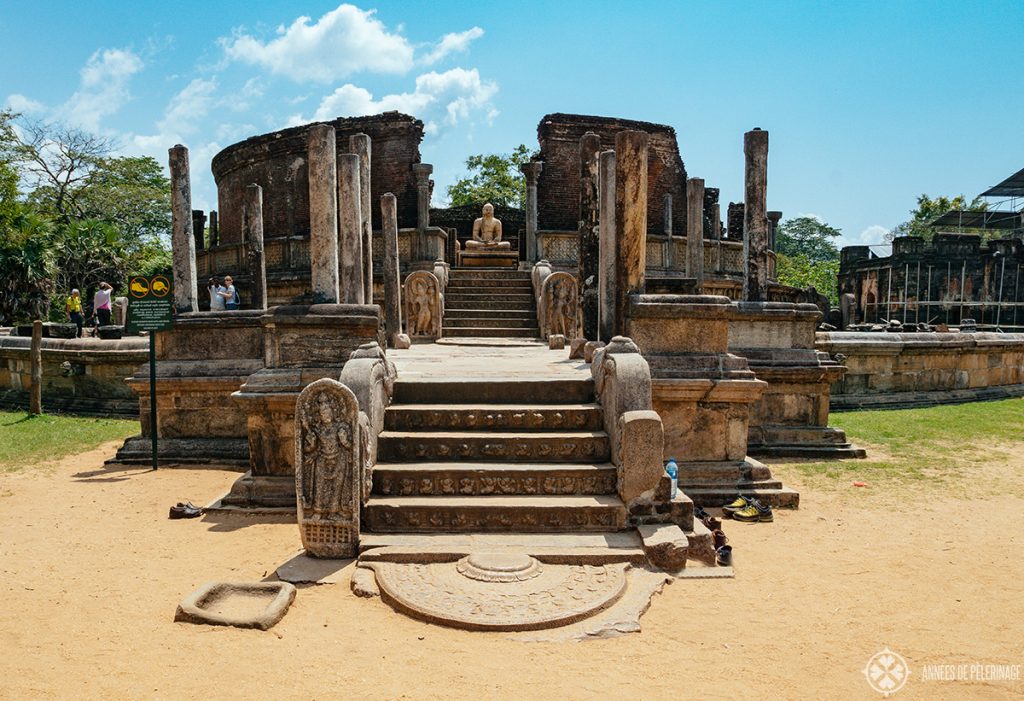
{"x": 92, "y": 570}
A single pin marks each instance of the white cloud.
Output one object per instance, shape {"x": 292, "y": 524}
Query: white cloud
{"x": 871, "y": 236}
{"x": 103, "y": 88}
{"x": 342, "y": 42}
{"x": 455, "y": 42}
{"x": 23, "y": 105}
{"x": 439, "y": 99}
{"x": 183, "y": 116}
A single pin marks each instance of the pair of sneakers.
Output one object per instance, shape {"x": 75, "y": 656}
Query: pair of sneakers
{"x": 749, "y": 510}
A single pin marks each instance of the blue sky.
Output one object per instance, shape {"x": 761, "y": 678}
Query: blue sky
{"x": 868, "y": 103}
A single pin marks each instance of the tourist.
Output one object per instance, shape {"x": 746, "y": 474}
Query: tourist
{"x": 217, "y": 303}
{"x": 229, "y": 294}
{"x": 101, "y": 304}
{"x": 73, "y": 307}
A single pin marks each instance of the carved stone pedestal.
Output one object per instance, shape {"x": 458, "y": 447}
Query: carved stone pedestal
{"x": 304, "y": 343}
{"x": 791, "y": 417}
{"x": 703, "y": 394}
{"x": 199, "y": 364}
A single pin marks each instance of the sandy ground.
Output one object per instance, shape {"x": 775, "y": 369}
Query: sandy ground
{"x": 92, "y": 570}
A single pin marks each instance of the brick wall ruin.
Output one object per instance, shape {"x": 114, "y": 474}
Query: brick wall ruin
{"x": 558, "y": 189}
{"x": 277, "y": 162}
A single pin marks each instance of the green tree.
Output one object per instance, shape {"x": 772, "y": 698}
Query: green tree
{"x": 809, "y": 237}
{"x": 27, "y": 265}
{"x": 928, "y": 208}
{"x": 85, "y": 216}
{"x": 494, "y": 178}
{"x": 806, "y": 255}
{"x": 801, "y": 271}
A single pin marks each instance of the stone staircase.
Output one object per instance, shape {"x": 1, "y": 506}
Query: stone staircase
{"x": 489, "y": 302}
{"x": 493, "y": 456}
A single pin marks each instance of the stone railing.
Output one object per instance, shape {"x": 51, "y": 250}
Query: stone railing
{"x": 371, "y": 377}
{"x": 665, "y": 255}
{"x": 622, "y": 381}
{"x": 886, "y": 370}
{"x": 288, "y": 263}
{"x": 82, "y": 376}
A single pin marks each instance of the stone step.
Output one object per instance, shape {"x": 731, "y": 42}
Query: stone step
{"x": 481, "y": 286}
{"x": 507, "y": 390}
{"x": 768, "y": 491}
{"x": 488, "y": 274}
{"x": 516, "y": 417}
{"x": 496, "y": 314}
{"x": 552, "y": 548}
{"x": 489, "y": 322}
{"x": 483, "y": 479}
{"x": 563, "y": 446}
{"x": 487, "y": 332}
{"x": 511, "y": 303}
{"x": 533, "y": 514}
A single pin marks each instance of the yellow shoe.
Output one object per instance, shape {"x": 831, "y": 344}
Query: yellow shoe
{"x": 738, "y": 505}
{"x": 755, "y": 513}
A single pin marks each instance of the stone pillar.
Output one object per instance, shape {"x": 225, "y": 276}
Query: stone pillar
{"x": 350, "y": 231}
{"x": 183, "y": 244}
{"x": 422, "y": 172}
{"x": 199, "y": 228}
{"x": 323, "y": 213}
{"x": 606, "y": 287}
{"x": 773, "y": 226}
{"x": 392, "y": 283}
{"x": 214, "y": 229}
{"x": 252, "y": 233}
{"x": 755, "y": 218}
{"x": 630, "y": 220}
{"x": 666, "y": 218}
{"x": 695, "y": 231}
{"x": 589, "y": 263}
{"x": 716, "y": 234}
{"x": 35, "y": 397}
{"x": 532, "y": 172}
{"x": 360, "y": 144}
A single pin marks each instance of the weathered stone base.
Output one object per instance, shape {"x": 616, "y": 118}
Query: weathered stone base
{"x": 228, "y": 452}
{"x": 264, "y": 603}
{"x": 768, "y": 492}
{"x": 801, "y": 442}
{"x": 916, "y": 400}
{"x": 251, "y": 491}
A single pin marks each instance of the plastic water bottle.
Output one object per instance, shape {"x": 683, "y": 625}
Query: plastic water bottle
{"x": 673, "y": 472}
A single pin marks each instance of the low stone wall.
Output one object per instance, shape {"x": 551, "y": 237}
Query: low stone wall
{"x": 93, "y": 383}
{"x": 893, "y": 370}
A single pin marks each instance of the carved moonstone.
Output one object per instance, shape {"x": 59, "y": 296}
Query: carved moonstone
{"x": 328, "y": 467}
{"x": 423, "y": 305}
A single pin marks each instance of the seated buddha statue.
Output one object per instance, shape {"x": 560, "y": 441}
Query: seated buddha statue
{"x": 487, "y": 233}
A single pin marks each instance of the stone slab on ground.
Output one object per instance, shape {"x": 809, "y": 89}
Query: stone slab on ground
{"x": 666, "y": 545}
{"x": 303, "y": 569}
{"x": 239, "y": 604}
{"x": 499, "y": 591}
{"x": 620, "y": 618}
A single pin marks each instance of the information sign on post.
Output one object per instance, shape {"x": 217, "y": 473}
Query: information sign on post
{"x": 150, "y": 308}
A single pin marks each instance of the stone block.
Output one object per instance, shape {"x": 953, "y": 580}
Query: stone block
{"x": 665, "y": 545}
{"x": 589, "y": 348}
{"x": 556, "y": 341}
{"x": 239, "y": 604}
{"x": 576, "y": 348}
{"x": 639, "y": 451}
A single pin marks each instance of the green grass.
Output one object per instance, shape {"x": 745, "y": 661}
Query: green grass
{"x": 26, "y": 441}
{"x": 939, "y": 444}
